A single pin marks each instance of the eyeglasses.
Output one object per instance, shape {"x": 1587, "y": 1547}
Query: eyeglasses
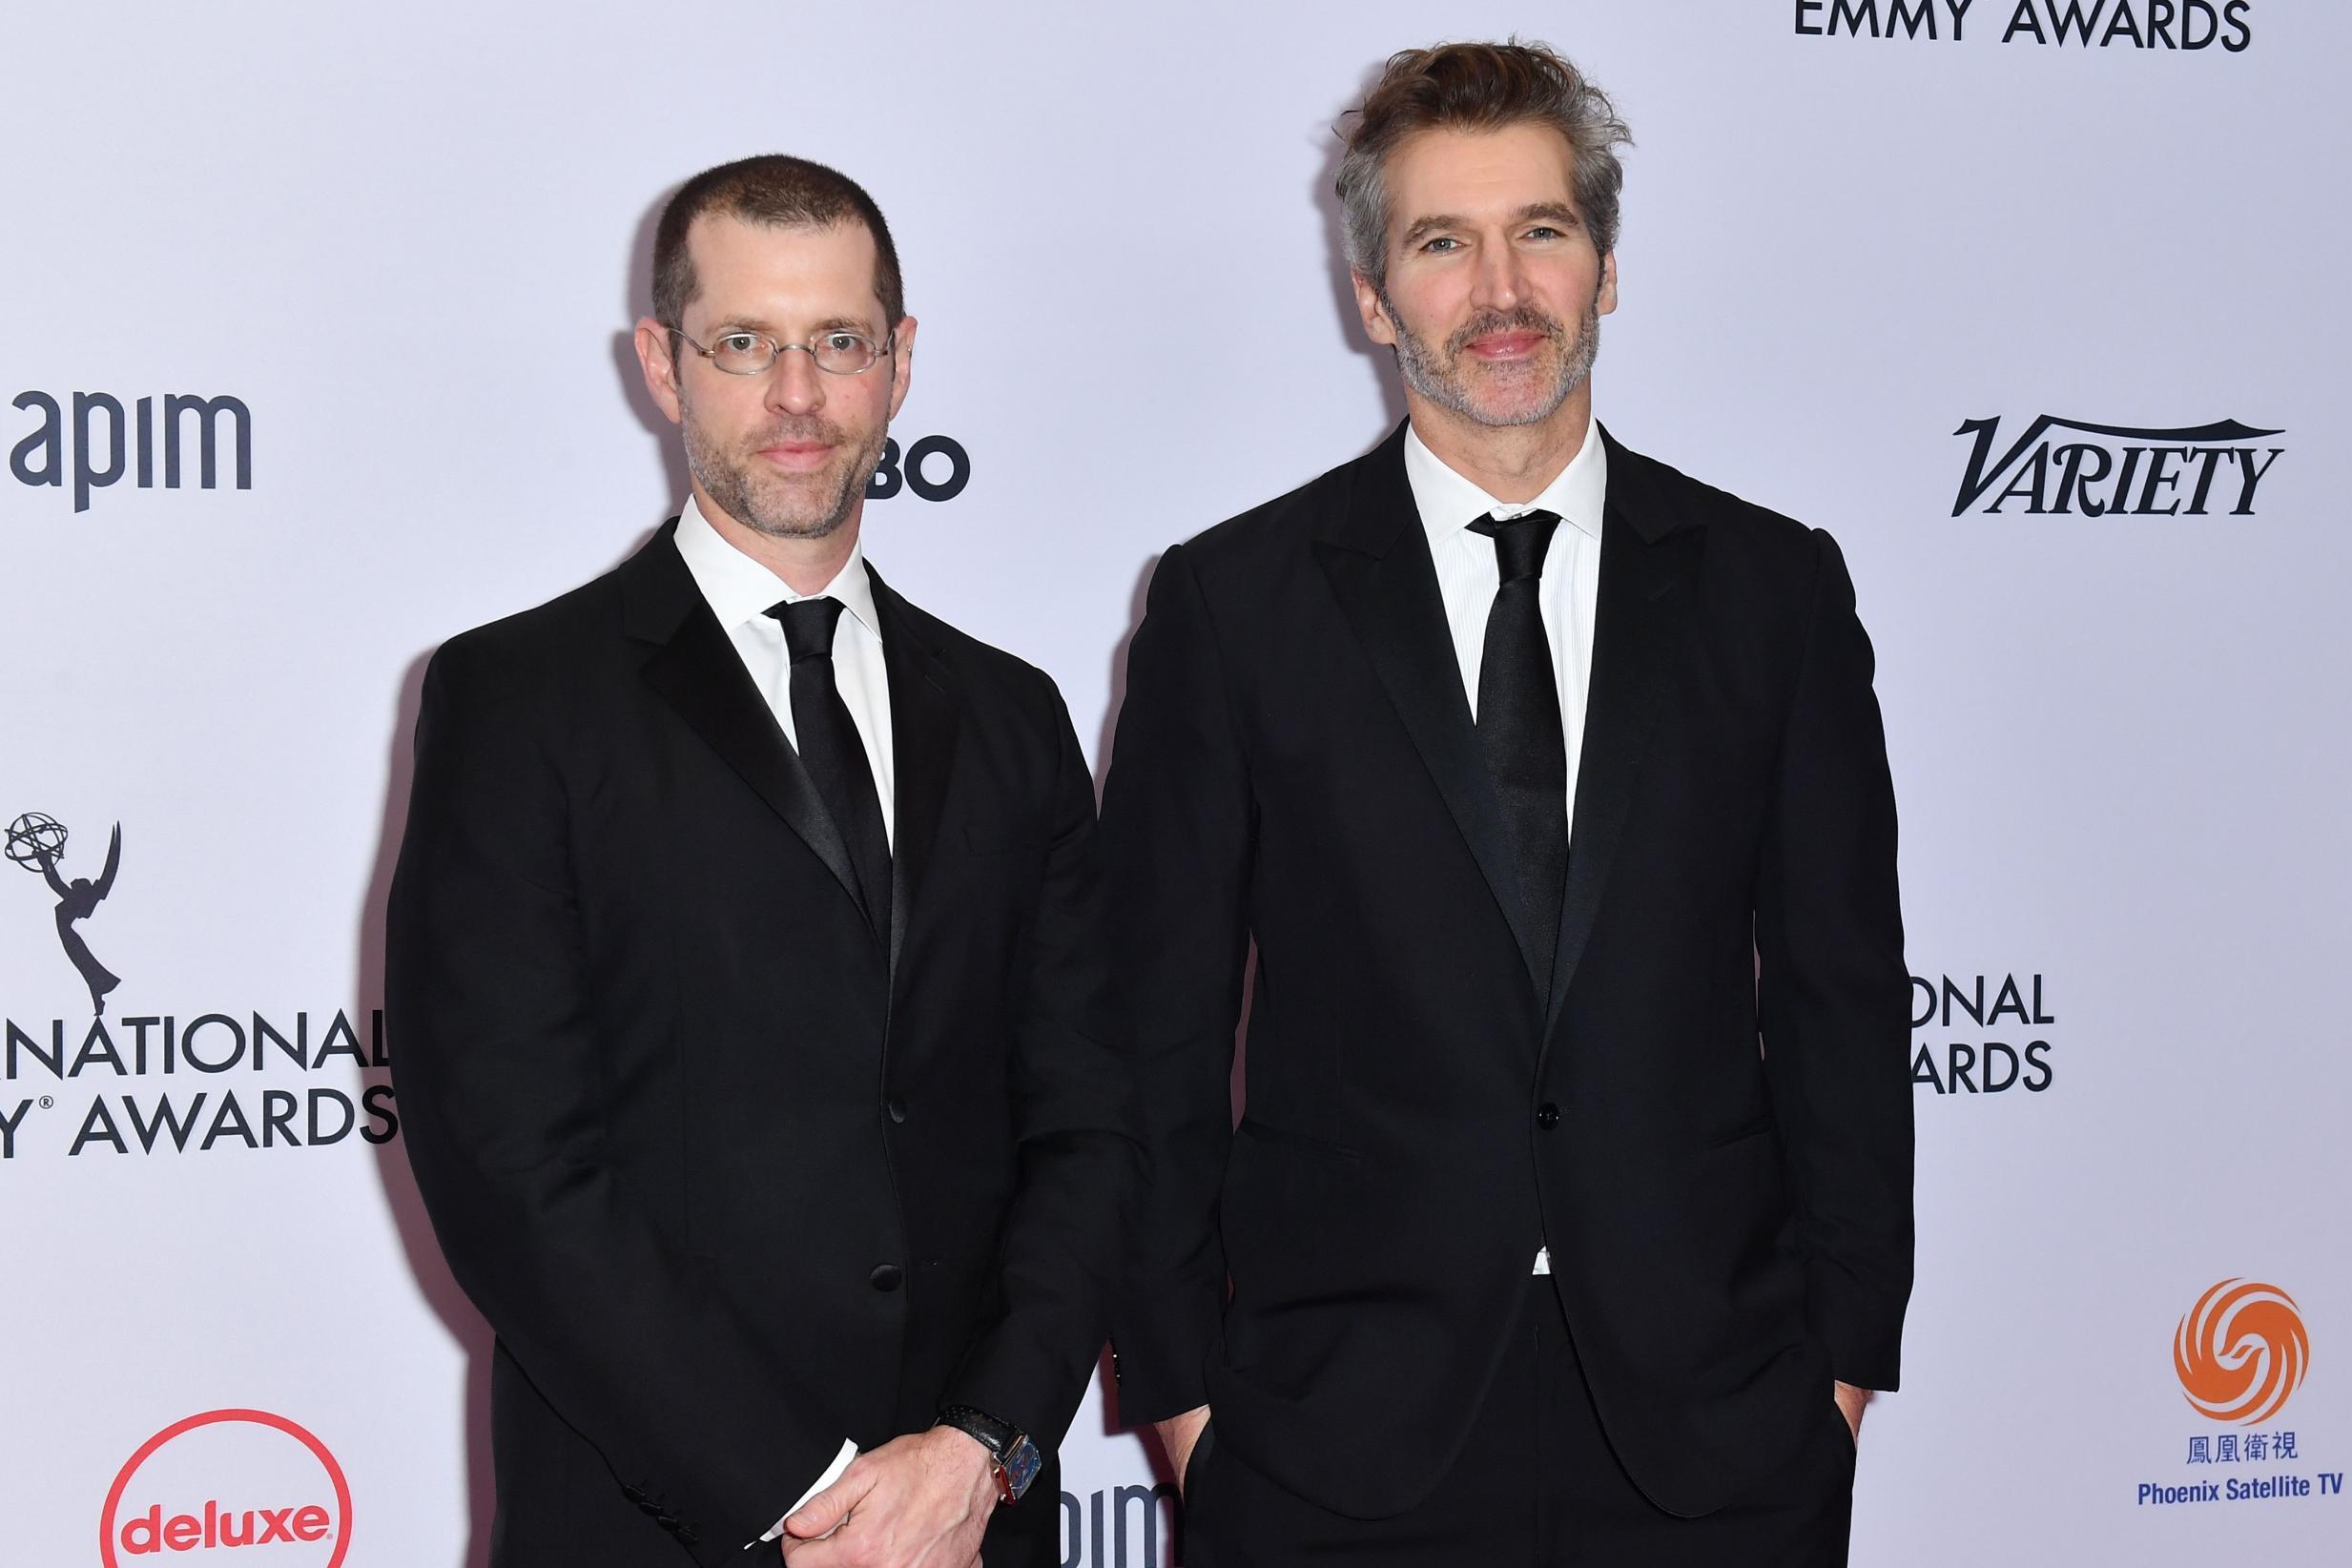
{"x": 836, "y": 351}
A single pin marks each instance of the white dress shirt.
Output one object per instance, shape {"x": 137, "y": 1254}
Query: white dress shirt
{"x": 1569, "y": 590}
{"x": 739, "y": 592}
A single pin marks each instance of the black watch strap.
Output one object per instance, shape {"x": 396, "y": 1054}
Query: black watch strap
{"x": 1016, "y": 1458}
{"x": 997, "y": 1437}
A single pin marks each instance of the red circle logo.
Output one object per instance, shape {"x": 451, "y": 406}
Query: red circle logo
{"x": 204, "y": 1487}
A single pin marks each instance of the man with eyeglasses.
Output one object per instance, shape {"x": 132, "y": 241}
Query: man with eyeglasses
{"x": 745, "y": 961}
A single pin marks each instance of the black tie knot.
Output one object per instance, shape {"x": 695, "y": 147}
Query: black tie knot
{"x": 1520, "y": 542}
{"x": 808, "y": 627}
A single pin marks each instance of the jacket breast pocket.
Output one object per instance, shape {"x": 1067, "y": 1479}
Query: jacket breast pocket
{"x": 1298, "y": 1142}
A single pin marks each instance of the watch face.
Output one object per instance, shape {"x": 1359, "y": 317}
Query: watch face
{"x": 1020, "y": 1467}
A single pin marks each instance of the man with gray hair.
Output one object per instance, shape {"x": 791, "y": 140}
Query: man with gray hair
{"x": 1545, "y": 780}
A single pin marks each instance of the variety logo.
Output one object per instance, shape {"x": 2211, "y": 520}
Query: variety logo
{"x": 2241, "y": 1352}
{"x": 222, "y": 1481}
{"x": 2114, "y": 470}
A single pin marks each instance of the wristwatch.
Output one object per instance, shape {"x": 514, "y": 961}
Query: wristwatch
{"x": 1015, "y": 1457}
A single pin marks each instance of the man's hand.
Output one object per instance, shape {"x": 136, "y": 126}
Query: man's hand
{"x": 1851, "y": 1400}
{"x": 1177, "y": 1435}
{"x": 921, "y": 1501}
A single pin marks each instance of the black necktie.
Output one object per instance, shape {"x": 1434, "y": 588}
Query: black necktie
{"x": 1519, "y": 729}
{"x": 831, "y": 751}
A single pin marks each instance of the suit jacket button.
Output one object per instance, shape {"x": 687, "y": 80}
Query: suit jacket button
{"x": 1547, "y": 1116}
{"x": 897, "y": 1108}
{"x": 887, "y": 1277}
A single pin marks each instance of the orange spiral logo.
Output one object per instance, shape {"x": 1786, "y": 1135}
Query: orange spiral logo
{"x": 2241, "y": 1352}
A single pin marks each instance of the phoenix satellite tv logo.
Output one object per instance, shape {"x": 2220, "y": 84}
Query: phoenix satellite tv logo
{"x": 2241, "y": 1352}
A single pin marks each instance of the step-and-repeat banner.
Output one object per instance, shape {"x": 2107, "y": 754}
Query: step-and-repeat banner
{"x": 313, "y": 352}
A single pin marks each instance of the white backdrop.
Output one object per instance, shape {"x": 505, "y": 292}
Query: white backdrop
{"x": 410, "y": 240}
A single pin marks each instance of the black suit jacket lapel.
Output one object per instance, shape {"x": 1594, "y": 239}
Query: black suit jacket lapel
{"x": 1376, "y": 556}
{"x": 698, "y": 671}
{"x": 1647, "y": 560}
{"x": 926, "y": 714}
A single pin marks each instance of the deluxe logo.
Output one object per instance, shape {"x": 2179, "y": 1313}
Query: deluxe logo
{"x": 2120, "y": 469}
{"x": 106, "y": 441}
{"x": 223, "y": 1481}
{"x": 2241, "y": 1352}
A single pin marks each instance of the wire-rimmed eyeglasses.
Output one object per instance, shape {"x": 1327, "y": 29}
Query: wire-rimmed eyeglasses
{"x": 836, "y": 351}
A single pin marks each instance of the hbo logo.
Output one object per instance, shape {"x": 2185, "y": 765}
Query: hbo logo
{"x": 936, "y": 467}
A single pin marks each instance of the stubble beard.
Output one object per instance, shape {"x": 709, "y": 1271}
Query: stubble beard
{"x": 1438, "y": 377}
{"x": 818, "y": 506}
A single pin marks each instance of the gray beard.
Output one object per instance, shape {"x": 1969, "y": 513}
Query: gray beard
{"x": 1432, "y": 374}
{"x": 770, "y": 508}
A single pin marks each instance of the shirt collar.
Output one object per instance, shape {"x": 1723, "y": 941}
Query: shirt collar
{"x": 1448, "y": 502}
{"x": 740, "y": 590}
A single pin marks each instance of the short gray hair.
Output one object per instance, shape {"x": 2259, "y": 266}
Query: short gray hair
{"x": 1477, "y": 87}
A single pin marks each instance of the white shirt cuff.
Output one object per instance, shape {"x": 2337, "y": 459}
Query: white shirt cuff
{"x": 833, "y": 1473}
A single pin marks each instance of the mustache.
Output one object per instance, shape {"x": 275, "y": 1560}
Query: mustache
{"x": 1525, "y": 318}
{"x": 810, "y": 428}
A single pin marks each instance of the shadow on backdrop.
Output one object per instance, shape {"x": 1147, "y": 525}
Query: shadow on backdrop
{"x": 639, "y": 302}
{"x": 464, "y": 1325}
{"x": 1326, "y": 197}
{"x": 1323, "y": 192}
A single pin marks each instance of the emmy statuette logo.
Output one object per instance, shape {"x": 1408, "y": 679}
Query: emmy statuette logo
{"x": 37, "y": 842}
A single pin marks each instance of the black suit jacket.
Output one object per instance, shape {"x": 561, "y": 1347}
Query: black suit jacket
{"x": 1729, "y": 1228}
{"x": 733, "y": 1175}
